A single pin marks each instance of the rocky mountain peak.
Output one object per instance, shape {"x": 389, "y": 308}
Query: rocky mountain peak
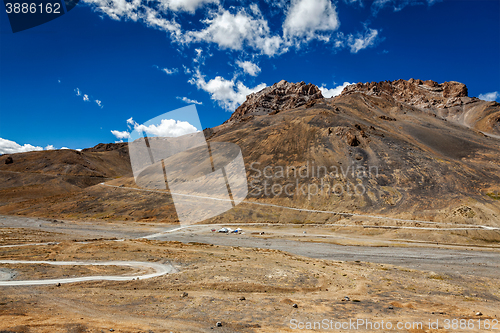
{"x": 280, "y": 96}
{"x": 422, "y": 94}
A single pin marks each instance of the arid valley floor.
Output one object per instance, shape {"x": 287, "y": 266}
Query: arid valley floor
{"x": 241, "y": 280}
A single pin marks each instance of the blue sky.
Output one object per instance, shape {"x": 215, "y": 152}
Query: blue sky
{"x": 73, "y": 80}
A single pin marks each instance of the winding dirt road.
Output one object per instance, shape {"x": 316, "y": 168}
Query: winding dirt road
{"x": 159, "y": 270}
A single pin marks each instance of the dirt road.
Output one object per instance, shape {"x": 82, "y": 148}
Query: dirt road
{"x": 159, "y": 270}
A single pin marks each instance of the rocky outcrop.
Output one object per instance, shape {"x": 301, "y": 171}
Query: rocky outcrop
{"x": 280, "y": 96}
{"x": 447, "y": 101}
{"x": 421, "y": 94}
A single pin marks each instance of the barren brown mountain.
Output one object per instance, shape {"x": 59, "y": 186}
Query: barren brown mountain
{"x": 428, "y": 152}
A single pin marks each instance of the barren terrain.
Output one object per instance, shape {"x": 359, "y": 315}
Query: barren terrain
{"x": 86, "y": 247}
{"x": 242, "y": 281}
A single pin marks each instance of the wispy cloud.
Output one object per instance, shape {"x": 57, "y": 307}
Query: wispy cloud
{"x": 398, "y": 5}
{"x": 168, "y": 71}
{"x": 199, "y": 56}
{"x": 86, "y": 97}
{"x": 187, "y": 70}
{"x": 491, "y": 96}
{"x": 362, "y": 40}
{"x": 249, "y": 67}
{"x": 189, "y": 101}
{"x": 355, "y": 2}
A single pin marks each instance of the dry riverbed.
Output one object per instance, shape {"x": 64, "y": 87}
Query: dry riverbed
{"x": 245, "y": 289}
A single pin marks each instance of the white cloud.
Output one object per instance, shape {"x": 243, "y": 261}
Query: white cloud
{"x": 228, "y": 93}
{"x": 491, "y": 96}
{"x": 117, "y": 9}
{"x": 187, "y": 5}
{"x": 327, "y": 93}
{"x": 306, "y": 19}
{"x": 199, "y": 58}
{"x": 377, "y": 5}
{"x": 397, "y": 5}
{"x": 187, "y": 70}
{"x": 121, "y": 135}
{"x": 139, "y": 11}
{"x": 11, "y": 147}
{"x": 86, "y": 97}
{"x": 130, "y": 122}
{"x": 166, "y": 128}
{"x": 249, "y": 67}
{"x": 355, "y": 2}
{"x": 233, "y": 31}
{"x": 238, "y": 27}
{"x": 189, "y": 101}
{"x": 154, "y": 19}
{"x": 170, "y": 71}
{"x": 362, "y": 41}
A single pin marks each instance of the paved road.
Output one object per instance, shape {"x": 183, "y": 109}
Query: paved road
{"x": 454, "y": 262}
{"x": 475, "y": 262}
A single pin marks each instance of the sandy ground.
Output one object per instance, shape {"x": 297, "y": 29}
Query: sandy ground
{"x": 46, "y": 271}
{"x": 242, "y": 284}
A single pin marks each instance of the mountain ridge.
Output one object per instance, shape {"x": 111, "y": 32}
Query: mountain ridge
{"x": 431, "y": 165}
{"x": 448, "y": 100}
